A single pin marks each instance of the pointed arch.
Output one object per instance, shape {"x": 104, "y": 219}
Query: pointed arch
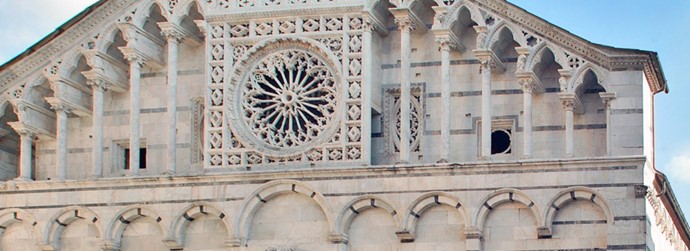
{"x": 144, "y": 10}
{"x": 578, "y": 78}
{"x": 106, "y": 37}
{"x": 192, "y": 212}
{"x": 427, "y": 201}
{"x": 537, "y": 53}
{"x": 118, "y": 224}
{"x": 494, "y": 35}
{"x": 65, "y": 217}
{"x": 572, "y": 194}
{"x": 8, "y": 217}
{"x": 183, "y": 9}
{"x": 475, "y": 14}
{"x": 361, "y": 204}
{"x": 270, "y": 190}
{"x": 4, "y": 102}
{"x": 501, "y": 196}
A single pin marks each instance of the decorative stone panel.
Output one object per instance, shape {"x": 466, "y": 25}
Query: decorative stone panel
{"x": 284, "y": 91}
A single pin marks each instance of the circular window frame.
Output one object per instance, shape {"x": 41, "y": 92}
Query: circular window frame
{"x": 243, "y": 70}
{"x": 509, "y": 148}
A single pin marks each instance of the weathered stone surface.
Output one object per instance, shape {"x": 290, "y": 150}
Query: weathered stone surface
{"x": 277, "y": 125}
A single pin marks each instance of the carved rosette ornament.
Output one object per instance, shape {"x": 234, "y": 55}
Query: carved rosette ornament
{"x": 288, "y": 100}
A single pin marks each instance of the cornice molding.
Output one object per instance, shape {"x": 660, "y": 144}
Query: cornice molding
{"x": 630, "y": 60}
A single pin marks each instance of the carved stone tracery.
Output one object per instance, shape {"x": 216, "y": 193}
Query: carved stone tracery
{"x": 289, "y": 99}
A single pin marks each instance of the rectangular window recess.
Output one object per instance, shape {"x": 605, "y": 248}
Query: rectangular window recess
{"x": 142, "y": 158}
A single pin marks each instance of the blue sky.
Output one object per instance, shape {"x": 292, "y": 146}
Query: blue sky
{"x": 660, "y": 26}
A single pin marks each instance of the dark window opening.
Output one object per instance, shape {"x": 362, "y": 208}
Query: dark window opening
{"x": 500, "y": 142}
{"x": 142, "y": 158}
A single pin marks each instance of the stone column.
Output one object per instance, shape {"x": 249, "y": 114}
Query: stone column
{"x": 527, "y": 90}
{"x": 135, "y": 64}
{"x": 26, "y": 138}
{"x": 485, "y": 68}
{"x": 405, "y": 25}
{"x": 569, "y": 130}
{"x": 445, "y": 46}
{"x": 367, "y": 82}
{"x": 607, "y": 97}
{"x": 174, "y": 37}
{"x": 61, "y": 147}
{"x": 98, "y": 87}
{"x": 571, "y": 104}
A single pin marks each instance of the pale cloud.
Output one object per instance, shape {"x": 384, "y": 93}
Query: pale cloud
{"x": 678, "y": 168}
{"x": 23, "y": 23}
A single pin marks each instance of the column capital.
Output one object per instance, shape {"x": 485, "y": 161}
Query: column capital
{"x": 407, "y": 20}
{"x": 405, "y": 23}
{"x": 570, "y": 102}
{"x": 172, "y": 32}
{"x": 98, "y": 84}
{"x": 371, "y": 23}
{"x": 606, "y": 98}
{"x": 134, "y": 56}
{"x": 447, "y": 40}
{"x": 59, "y": 105}
{"x": 529, "y": 82}
{"x": 487, "y": 58}
{"x": 23, "y": 130}
{"x": 175, "y": 33}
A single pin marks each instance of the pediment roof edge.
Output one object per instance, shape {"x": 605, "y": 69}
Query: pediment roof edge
{"x": 608, "y": 57}
{"x": 60, "y": 40}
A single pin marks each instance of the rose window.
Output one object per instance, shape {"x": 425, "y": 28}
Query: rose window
{"x": 289, "y": 99}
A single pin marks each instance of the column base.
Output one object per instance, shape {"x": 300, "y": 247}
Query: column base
{"x": 402, "y": 162}
{"x": 442, "y": 161}
{"x": 22, "y": 179}
{"x": 169, "y": 173}
{"x": 485, "y": 158}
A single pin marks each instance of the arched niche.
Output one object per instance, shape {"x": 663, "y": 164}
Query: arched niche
{"x": 369, "y": 223}
{"x": 544, "y": 64}
{"x": 590, "y": 125}
{"x": 506, "y": 195}
{"x": 74, "y": 227}
{"x": 507, "y": 211}
{"x": 463, "y": 26}
{"x": 291, "y": 189}
{"x": 9, "y": 143}
{"x": 135, "y": 218}
{"x": 502, "y": 42}
{"x": 201, "y": 226}
{"x": 18, "y": 231}
{"x": 574, "y": 194}
{"x": 437, "y": 220}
